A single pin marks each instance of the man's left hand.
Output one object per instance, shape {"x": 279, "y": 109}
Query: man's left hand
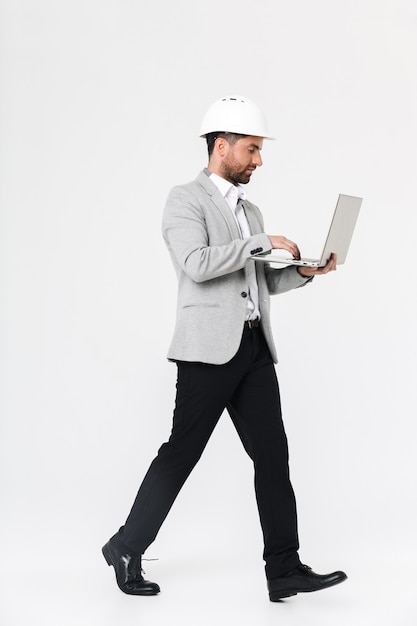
{"x": 317, "y": 271}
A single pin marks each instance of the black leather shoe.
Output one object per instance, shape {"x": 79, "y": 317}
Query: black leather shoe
{"x": 128, "y": 568}
{"x": 301, "y": 579}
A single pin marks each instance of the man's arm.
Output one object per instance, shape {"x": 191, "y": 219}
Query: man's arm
{"x": 185, "y": 232}
{"x": 282, "y": 279}
{"x": 290, "y": 277}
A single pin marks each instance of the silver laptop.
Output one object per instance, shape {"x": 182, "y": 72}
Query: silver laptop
{"x": 338, "y": 237}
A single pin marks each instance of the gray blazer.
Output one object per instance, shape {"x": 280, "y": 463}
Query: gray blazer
{"x": 212, "y": 265}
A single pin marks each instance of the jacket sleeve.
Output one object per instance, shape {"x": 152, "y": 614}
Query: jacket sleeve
{"x": 280, "y": 280}
{"x": 186, "y": 235}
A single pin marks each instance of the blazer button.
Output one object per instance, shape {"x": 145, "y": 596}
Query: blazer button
{"x": 244, "y": 294}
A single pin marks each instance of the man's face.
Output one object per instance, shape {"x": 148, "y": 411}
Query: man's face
{"x": 241, "y": 159}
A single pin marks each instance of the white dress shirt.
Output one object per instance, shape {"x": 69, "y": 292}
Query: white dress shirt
{"x": 232, "y": 194}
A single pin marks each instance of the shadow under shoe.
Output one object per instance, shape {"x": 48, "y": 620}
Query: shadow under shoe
{"x": 128, "y": 569}
{"x": 302, "y": 580}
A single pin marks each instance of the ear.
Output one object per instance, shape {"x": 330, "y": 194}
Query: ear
{"x": 222, "y": 146}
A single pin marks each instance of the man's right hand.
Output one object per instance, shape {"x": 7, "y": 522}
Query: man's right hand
{"x": 278, "y": 242}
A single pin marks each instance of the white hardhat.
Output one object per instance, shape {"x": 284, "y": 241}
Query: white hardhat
{"x": 235, "y": 114}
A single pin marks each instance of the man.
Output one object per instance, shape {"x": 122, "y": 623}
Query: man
{"x": 224, "y": 352}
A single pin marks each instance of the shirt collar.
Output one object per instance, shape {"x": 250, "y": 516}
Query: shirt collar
{"x": 227, "y": 189}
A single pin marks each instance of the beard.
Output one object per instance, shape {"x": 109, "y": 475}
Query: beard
{"x": 235, "y": 173}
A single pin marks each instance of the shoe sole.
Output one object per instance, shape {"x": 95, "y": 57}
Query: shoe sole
{"x": 285, "y": 594}
{"x": 277, "y": 595}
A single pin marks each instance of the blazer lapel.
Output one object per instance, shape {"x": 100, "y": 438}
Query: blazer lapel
{"x": 220, "y": 204}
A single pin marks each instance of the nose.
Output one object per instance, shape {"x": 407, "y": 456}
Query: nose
{"x": 258, "y": 159}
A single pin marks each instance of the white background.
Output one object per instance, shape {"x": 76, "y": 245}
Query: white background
{"x": 100, "y": 110}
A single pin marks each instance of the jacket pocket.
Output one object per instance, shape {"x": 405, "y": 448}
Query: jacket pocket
{"x": 200, "y": 304}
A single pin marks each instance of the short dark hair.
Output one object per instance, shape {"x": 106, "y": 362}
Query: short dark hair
{"x": 231, "y": 138}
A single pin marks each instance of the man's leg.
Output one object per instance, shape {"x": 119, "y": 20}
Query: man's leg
{"x": 196, "y": 414}
{"x": 255, "y": 409}
{"x": 203, "y": 391}
{"x": 256, "y": 412}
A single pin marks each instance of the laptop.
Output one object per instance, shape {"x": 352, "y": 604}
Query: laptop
{"x": 338, "y": 237}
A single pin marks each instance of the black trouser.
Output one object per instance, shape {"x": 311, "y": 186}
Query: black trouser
{"x": 247, "y": 386}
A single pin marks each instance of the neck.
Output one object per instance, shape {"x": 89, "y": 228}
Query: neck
{"x": 219, "y": 172}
